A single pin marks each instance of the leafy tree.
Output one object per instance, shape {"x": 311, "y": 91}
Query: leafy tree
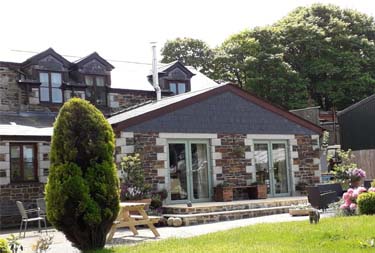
{"x": 253, "y": 60}
{"x": 82, "y": 192}
{"x": 333, "y": 49}
{"x": 190, "y": 52}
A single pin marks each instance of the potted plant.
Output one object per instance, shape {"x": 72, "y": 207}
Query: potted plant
{"x": 223, "y": 192}
{"x": 133, "y": 185}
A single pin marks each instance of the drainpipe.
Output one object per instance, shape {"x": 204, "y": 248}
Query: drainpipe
{"x": 155, "y": 79}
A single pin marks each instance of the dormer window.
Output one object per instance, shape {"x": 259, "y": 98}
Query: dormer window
{"x": 96, "y": 90}
{"x": 50, "y": 88}
{"x": 177, "y": 87}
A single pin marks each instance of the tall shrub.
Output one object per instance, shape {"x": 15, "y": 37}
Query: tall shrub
{"x": 82, "y": 192}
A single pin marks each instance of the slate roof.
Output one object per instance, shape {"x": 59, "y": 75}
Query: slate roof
{"x": 155, "y": 105}
{"x": 19, "y": 130}
{"x": 171, "y": 104}
{"x": 32, "y": 119}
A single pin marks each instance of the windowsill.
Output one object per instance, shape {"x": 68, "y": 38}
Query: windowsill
{"x": 50, "y": 103}
{"x": 26, "y": 182}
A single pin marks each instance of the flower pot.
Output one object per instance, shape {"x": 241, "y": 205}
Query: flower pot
{"x": 223, "y": 193}
{"x": 355, "y": 183}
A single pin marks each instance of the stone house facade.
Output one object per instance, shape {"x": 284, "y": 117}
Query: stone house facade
{"x": 31, "y": 93}
{"x": 222, "y": 135}
{"x": 189, "y": 142}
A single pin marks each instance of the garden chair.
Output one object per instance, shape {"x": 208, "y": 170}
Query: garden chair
{"x": 25, "y": 217}
{"x": 41, "y": 204}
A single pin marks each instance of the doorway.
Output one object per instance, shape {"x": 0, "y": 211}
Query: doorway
{"x": 189, "y": 171}
{"x": 272, "y": 167}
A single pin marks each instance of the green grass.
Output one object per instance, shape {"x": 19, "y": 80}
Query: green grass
{"x": 338, "y": 234}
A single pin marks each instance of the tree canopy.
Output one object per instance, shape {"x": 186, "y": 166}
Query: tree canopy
{"x": 188, "y": 51}
{"x": 318, "y": 55}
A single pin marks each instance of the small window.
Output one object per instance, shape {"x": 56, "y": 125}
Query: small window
{"x": 50, "y": 88}
{"x": 177, "y": 87}
{"x": 23, "y": 165}
{"x": 96, "y": 91}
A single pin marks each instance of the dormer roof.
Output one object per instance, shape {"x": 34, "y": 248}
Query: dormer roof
{"x": 49, "y": 52}
{"x": 94, "y": 56}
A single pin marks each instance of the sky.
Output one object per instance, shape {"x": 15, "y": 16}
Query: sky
{"x": 123, "y": 30}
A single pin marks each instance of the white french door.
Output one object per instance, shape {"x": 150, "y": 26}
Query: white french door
{"x": 272, "y": 166}
{"x": 189, "y": 171}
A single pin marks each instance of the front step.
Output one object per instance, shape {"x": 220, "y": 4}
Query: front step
{"x": 204, "y": 218}
{"x": 202, "y": 213}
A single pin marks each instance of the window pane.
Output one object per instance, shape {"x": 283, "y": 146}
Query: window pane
{"x": 43, "y": 78}
{"x": 173, "y": 87}
{"x": 99, "y": 81}
{"x": 181, "y": 88}
{"x": 28, "y": 171}
{"x": 56, "y": 95}
{"x": 89, "y": 81}
{"x": 100, "y": 96}
{"x": 56, "y": 79}
{"x": 44, "y": 94}
{"x": 15, "y": 170}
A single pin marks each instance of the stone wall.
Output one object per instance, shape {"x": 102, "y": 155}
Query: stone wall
{"x": 232, "y": 160}
{"x": 10, "y": 93}
{"x": 118, "y": 101}
{"x": 232, "y": 156}
{"x": 308, "y": 160}
{"x": 10, "y": 193}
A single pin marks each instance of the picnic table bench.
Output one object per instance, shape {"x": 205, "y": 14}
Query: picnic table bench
{"x": 125, "y": 219}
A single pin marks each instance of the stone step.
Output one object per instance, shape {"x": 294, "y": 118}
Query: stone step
{"x": 204, "y": 218}
{"x": 209, "y": 207}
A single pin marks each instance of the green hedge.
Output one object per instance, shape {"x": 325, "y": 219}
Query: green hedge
{"x": 366, "y": 203}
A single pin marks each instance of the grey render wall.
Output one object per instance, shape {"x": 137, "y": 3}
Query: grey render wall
{"x": 223, "y": 113}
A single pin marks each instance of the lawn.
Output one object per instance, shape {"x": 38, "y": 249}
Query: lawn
{"x": 338, "y": 234}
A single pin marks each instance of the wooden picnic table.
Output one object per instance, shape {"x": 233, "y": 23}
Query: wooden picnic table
{"x": 126, "y": 219}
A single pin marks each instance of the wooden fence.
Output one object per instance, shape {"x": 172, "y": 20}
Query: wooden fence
{"x": 365, "y": 159}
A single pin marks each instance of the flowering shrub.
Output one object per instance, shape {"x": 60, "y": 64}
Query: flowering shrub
{"x": 356, "y": 174}
{"x": 350, "y": 200}
{"x": 133, "y": 184}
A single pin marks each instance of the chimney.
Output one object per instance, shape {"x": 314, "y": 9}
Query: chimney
{"x": 155, "y": 78}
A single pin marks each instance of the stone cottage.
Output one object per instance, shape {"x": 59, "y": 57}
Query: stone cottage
{"x": 191, "y": 142}
{"x": 33, "y": 90}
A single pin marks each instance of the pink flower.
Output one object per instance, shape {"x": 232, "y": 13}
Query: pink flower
{"x": 355, "y": 194}
{"x": 371, "y": 189}
{"x": 346, "y": 196}
{"x": 353, "y": 206}
{"x": 350, "y": 191}
{"x": 361, "y": 189}
{"x": 344, "y": 206}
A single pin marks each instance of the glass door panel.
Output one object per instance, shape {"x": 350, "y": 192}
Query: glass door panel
{"x": 177, "y": 171}
{"x": 262, "y": 165}
{"x": 280, "y": 169}
{"x": 200, "y": 180}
